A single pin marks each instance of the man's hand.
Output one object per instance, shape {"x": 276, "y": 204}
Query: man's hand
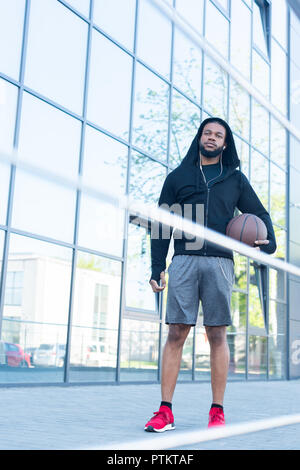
{"x": 155, "y": 286}
{"x": 261, "y": 242}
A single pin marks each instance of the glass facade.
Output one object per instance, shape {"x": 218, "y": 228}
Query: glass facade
{"x": 111, "y": 98}
{"x": 294, "y": 193}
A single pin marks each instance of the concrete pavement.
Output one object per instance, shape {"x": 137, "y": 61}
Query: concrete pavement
{"x": 78, "y": 417}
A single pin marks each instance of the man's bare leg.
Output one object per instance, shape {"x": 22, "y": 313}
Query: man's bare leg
{"x": 172, "y": 358}
{"x": 219, "y": 361}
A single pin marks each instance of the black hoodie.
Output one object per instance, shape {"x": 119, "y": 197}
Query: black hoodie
{"x": 231, "y": 189}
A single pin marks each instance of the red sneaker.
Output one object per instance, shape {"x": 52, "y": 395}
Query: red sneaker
{"x": 216, "y": 417}
{"x": 163, "y": 420}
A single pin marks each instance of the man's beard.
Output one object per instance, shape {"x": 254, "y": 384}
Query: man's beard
{"x": 210, "y": 153}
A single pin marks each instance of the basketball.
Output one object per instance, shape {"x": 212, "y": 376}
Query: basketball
{"x": 247, "y": 228}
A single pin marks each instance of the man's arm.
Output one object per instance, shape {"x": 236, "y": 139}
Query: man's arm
{"x": 250, "y": 203}
{"x": 160, "y": 245}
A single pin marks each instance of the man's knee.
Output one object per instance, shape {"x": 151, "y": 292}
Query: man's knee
{"x": 216, "y": 335}
{"x": 178, "y": 333}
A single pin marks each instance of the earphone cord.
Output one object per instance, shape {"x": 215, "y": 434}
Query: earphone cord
{"x": 215, "y": 176}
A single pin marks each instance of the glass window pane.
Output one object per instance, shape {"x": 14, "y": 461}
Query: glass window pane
{"x": 258, "y": 29}
{"x": 294, "y": 152}
{"x": 295, "y": 92}
{"x": 43, "y": 207}
{"x": 281, "y": 243}
{"x": 186, "y": 365}
{"x": 238, "y": 312}
{"x": 49, "y": 138}
{"x": 239, "y": 110}
{"x": 295, "y": 21}
{"x": 240, "y": 44}
{"x": 154, "y": 43}
{"x": 278, "y": 143}
{"x": 95, "y": 319}
{"x": 237, "y": 358}
{"x": 260, "y": 128}
{"x": 55, "y": 64}
{"x": 295, "y": 38}
{"x": 217, "y": 29}
{"x": 192, "y": 11}
{"x": 261, "y": 74}
{"x": 83, "y": 6}
{"x": 4, "y": 187}
{"x": 294, "y": 189}
{"x": 109, "y": 97}
{"x": 202, "y": 354}
{"x": 215, "y": 89}
{"x": 277, "y": 193}
{"x": 187, "y": 66}
{"x": 139, "y": 350}
{"x": 277, "y": 318}
{"x": 243, "y": 151}
{"x": 240, "y": 271}
{"x": 11, "y": 33}
{"x": 279, "y": 21}
{"x": 120, "y": 26}
{"x": 279, "y": 78}
{"x": 257, "y": 357}
{"x": 277, "y": 284}
{"x": 35, "y": 330}
{"x": 101, "y": 226}
{"x": 139, "y": 294}
{"x": 256, "y": 308}
{"x": 260, "y": 177}
{"x": 224, "y": 4}
{"x": 105, "y": 162}
{"x": 151, "y": 110}
{"x": 146, "y": 178}
{"x": 184, "y": 125}
{"x": 8, "y": 107}
{"x": 277, "y": 356}
{"x": 1, "y": 248}
{"x": 185, "y": 372}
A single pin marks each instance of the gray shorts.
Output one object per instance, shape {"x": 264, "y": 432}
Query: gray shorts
{"x": 193, "y": 278}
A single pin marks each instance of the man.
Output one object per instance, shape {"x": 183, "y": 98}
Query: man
{"x": 207, "y": 176}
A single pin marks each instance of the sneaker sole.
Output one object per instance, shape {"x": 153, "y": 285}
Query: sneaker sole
{"x": 168, "y": 427}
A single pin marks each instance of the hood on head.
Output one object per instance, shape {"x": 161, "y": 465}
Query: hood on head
{"x": 229, "y": 155}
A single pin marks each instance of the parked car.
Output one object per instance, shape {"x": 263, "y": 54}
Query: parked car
{"x": 30, "y": 351}
{"x": 50, "y": 355}
{"x": 15, "y": 356}
{"x": 2, "y": 354}
{"x": 97, "y": 355}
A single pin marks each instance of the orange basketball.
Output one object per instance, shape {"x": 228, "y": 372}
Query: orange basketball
{"x": 247, "y": 228}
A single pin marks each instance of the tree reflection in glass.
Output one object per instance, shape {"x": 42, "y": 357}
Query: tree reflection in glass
{"x": 150, "y": 122}
{"x": 215, "y": 89}
{"x": 187, "y": 66}
{"x": 185, "y": 121}
{"x": 239, "y": 110}
{"x": 260, "y": 177}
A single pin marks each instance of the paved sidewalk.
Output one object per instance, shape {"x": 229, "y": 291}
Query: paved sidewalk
{"x": 77, "y": 417}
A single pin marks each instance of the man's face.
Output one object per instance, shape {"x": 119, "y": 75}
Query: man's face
{"x": 212, "y": 140}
